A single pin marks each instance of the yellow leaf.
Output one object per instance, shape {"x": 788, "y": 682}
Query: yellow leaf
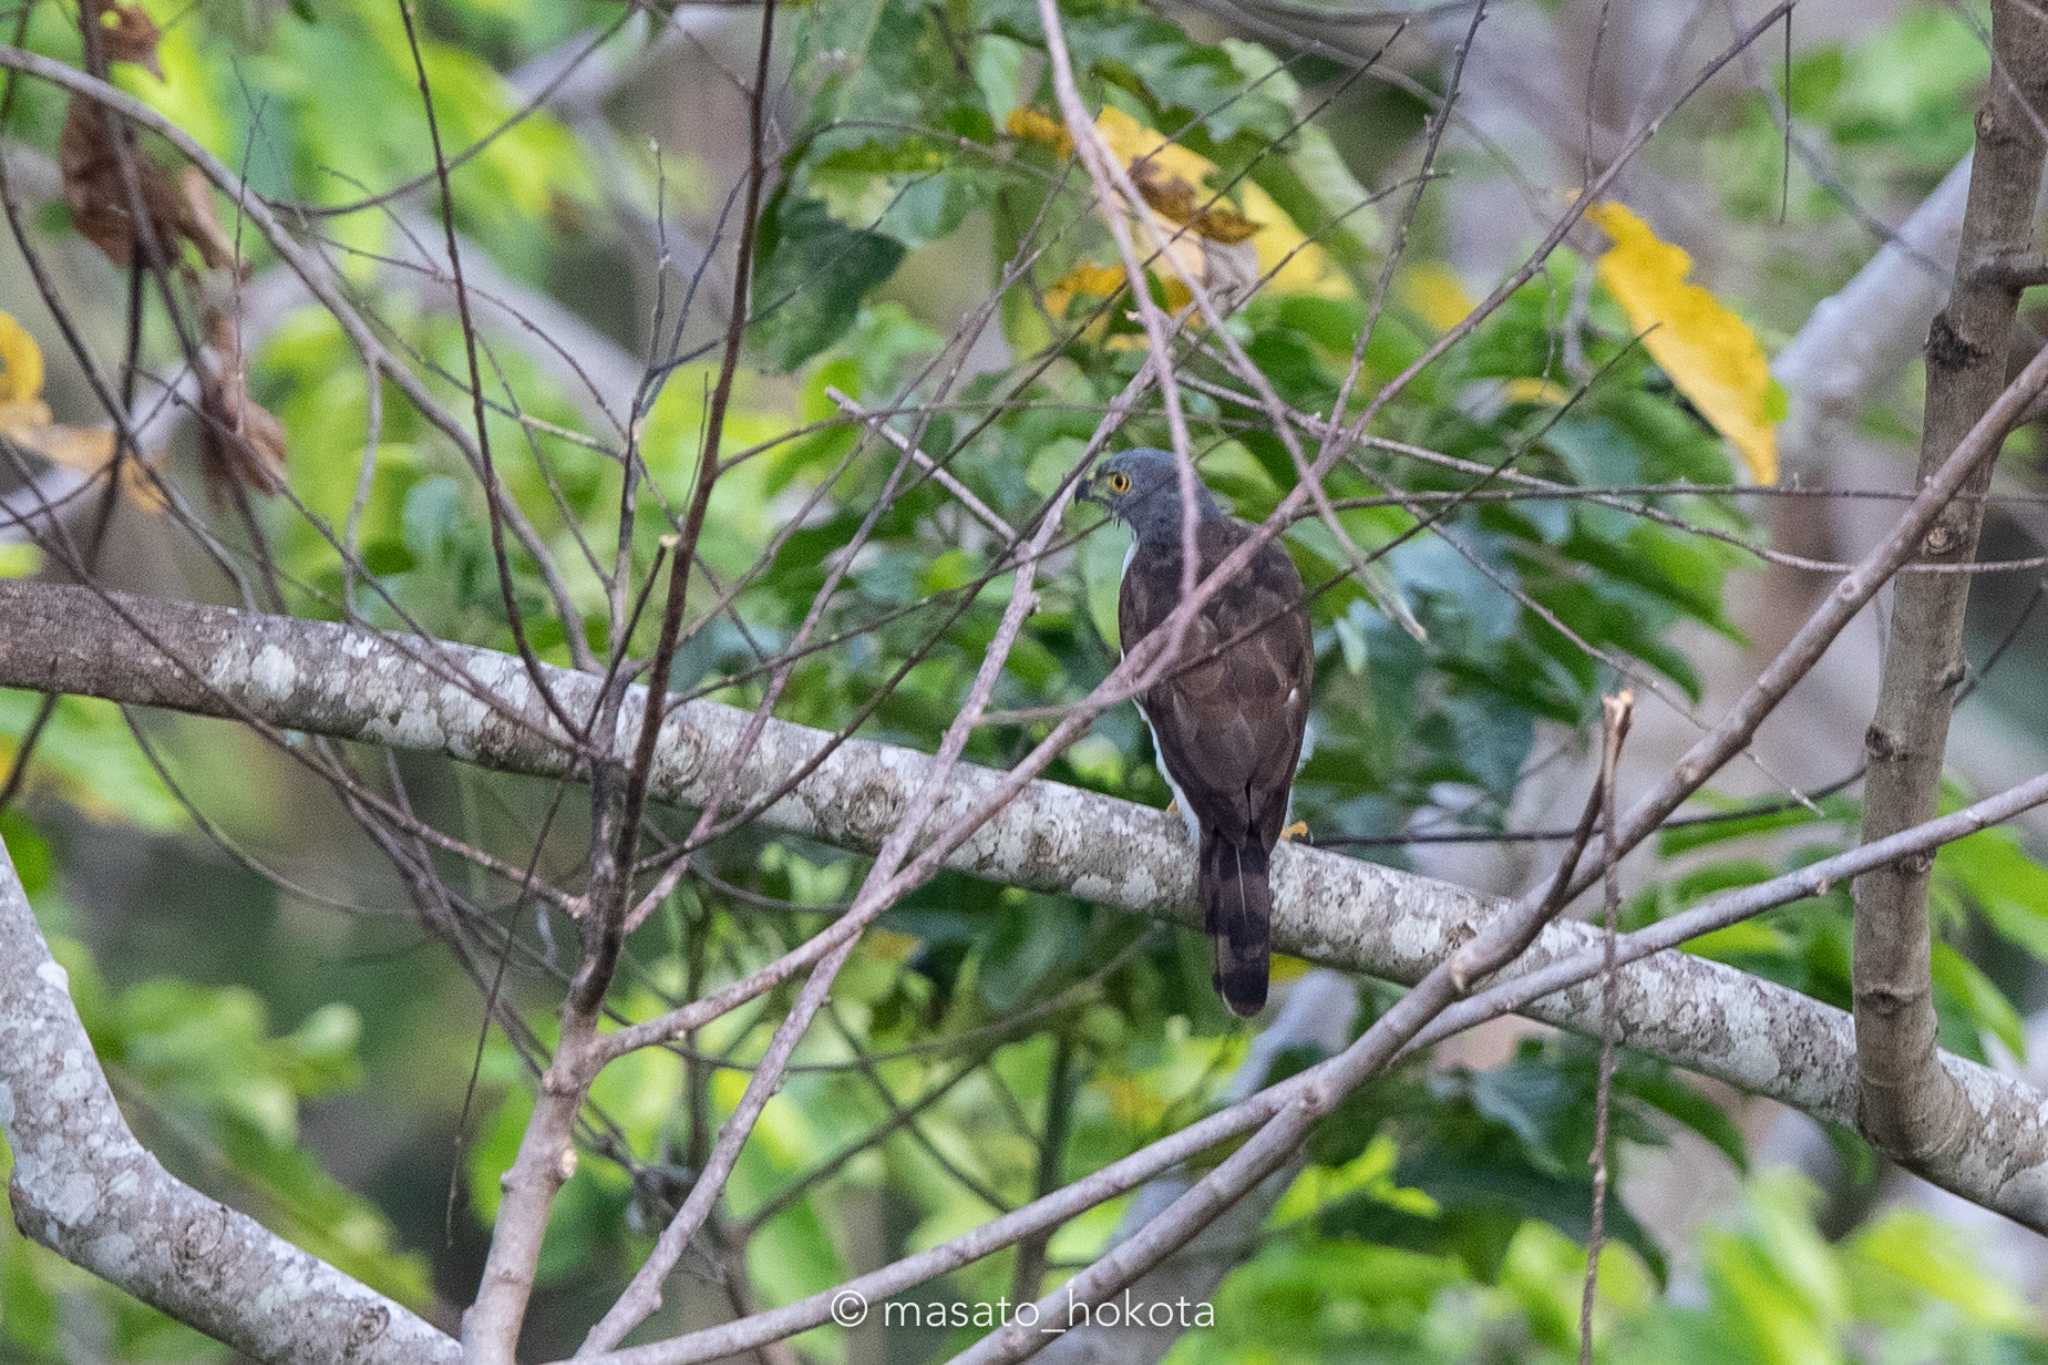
{"x": 20, "y": 416}
{"x": 1032, "y": 126}
{"x": 1297, "y": 265}
{"x": 1436, "y": 294}
{"x": 20, "y": 560}
{"x": 1099, "y": 281}
{"x": 88, "y": 450}
{"x": 1709, "y": 353}
{"x": 25, "y": 418}
{"x": 1539, "y": 391}
{"x": 85, "y": 449}
{"x": 21, "y": 364}
{"x": 890, "y": 946}
{"x": 1095, "y": 281}
{"x": 1132, "y": 1103}
{"x": 1285, "y": 968}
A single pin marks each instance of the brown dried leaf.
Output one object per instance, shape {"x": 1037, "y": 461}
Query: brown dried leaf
{"x": 19, "y": 416}
{"x": 242, "y": 442}
{"x": 86, "y": 450}
{"x": 1222, "y": 223}
{"x": 197, "y": 222}
{"x": 93, "y": 189}
{"x": 92, "y": 183}
{"x": 1176, "y": 198}
{"x": 128, "y": 35}
{"x": 25, "y": 418}
{"x": 1166, "y": 192}
{"x": 179, "y": 207}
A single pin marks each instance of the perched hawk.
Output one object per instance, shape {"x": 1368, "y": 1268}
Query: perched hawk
{"x": 1227, "y": 718}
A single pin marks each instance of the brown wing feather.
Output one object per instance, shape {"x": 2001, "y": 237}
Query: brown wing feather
{"x": 1229, "y": 724}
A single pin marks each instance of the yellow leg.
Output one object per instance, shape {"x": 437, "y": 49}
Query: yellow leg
{"x": 1173, "y": 806}
{"x": 1297, "y": 830}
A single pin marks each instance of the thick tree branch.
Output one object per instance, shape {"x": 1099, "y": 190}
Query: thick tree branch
{"x": 1909, "y": 1106}
{"x": 353, "y": 684}
{"x": 86, "y": 1189}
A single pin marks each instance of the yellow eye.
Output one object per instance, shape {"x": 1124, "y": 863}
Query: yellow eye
{"x": 1119, "y": 483}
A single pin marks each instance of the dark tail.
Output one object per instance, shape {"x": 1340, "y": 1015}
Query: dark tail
{"x": 1237, "y": 911}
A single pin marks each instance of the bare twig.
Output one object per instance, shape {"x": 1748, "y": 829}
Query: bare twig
{"x": 546, "y": 1157}
{"x": 318, "y": 277}
{"x": 1614, "y": 713}
{"x": 944, "y": 477}
{"x": 1649, "y": 997}
{"x": 494, "y": 493}
{"x": 2010, "y": 269}
{"x": 1102, "y": 168}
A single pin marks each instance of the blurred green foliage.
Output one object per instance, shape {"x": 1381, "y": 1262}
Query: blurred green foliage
{"x": 1442, "y": 1212}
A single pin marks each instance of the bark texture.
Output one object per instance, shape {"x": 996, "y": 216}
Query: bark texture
{"x": 408, "y": 693}
{"x": 85, "y": 1188}
{"x": 1909, "y": 1106}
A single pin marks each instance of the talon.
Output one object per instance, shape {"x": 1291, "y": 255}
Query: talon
{"x": 1173, "y": 806}
{"x": 1297, "y": 830}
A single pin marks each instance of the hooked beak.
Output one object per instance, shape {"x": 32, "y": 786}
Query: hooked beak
{"x": 1087, "y": 491}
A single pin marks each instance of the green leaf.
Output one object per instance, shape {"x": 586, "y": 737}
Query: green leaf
{"x": 813, "y": 274}
{"x": 29, "y": 852}
{"x": 1655, "y": 1085}
{"x": 1022, "y": 950}
{"x": 1685, "y": 838}
{"x": 88, "y": 758}
{"x": 1981, "y": 1003}
{"x": 1486, "y": 1191}
{"x": 999, "y": 73}
{"x": 1994, "y": 871}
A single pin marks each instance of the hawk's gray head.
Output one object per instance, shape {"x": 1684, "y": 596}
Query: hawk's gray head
{"x": 1141, "y": 488}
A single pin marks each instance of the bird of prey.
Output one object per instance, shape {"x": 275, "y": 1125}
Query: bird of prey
{"x": 1228, "y": 715}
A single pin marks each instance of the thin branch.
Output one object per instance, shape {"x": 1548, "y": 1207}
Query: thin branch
{"x": 2010, "y": 269}
{"x": 1660, "y": 990}
{"x": 494, "y": 492}
{"x": 320, "y": 279}
{"x": 1539, "y": 975}
{"x": 1614, "y": 728}
{"x": 887, "y": 880}
{"x": 944, "y": 477}
{"x": 1799, "y": 655}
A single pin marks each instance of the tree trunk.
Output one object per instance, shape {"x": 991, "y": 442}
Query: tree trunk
{"x": 1908, "y": 1105}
